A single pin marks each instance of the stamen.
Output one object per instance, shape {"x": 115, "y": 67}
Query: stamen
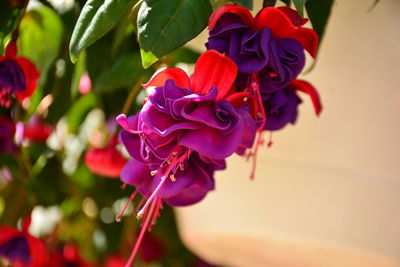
{"x": 173, "y": 161}
{"x": 255, "y": 92}
{"x": 152, "y": 173}
{"x": 119, "y": 216}
{"x": 139, "y": 205}
{"x": 152, "y": 196}
{"x": 172, "y": 177}
{"x": 142, "y": 231}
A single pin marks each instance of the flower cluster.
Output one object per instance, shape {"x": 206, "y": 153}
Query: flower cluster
{"x": 269, "y": 49}
{"x": 245, "y": 83}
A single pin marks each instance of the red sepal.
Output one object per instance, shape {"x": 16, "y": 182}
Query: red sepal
{"x": 242, "y": 12}
{"x": 293, "y": 16}
{"x": 37, "y": 251}
{"x": 213, "y": 69}
{"x": 282, "y": 27}
{"x": 114, "y": 261}
{"x": 26, "y": 222}
{"x": 106, "y": 162}
{"x": 36, "y": 130}
{"x": 308, "y": 88}
{"x": 31, "y": 76}
{"x": 239, "y": 99}
{"x": 8, "y": 233}
{"x": 161, "y": 76}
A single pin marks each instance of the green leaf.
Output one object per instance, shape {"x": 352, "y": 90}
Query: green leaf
{"x": 148, "y": 58}
{"x": 164, "y": 25}
{"x": 96, "y": 19}
{"x": 299, "y": 5}
{"x": 246, "y": 3}
{"x": 319, "y": 11}
{"x": 124, "y": 73}
{"x": 79, "y": 69}
{"x": 41, "y": 32}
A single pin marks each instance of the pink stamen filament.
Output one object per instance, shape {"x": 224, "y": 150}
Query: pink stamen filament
{"x": 142, "y": 231}
{"x": 174, "y": 163}
{"x": 255, "y": 91}
{"x": 119, "y": 216}
{"x": 139, "y": 206}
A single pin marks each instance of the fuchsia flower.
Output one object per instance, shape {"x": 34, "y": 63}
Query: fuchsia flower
{"x": 183, "y": 134}
{"x": 185, "y": 130}
{"x": 18, "y": 76}
{"x": 281, "y": 106}
{"x": 269, "y": 53}
{"x": 106, "y": 161}
{"x": 20, "y": 248}
{"x": 68, "y": 256}
{"x": 271, "y": 44}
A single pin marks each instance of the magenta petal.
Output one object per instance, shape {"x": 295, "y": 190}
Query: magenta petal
{"x": 135, "y": 173}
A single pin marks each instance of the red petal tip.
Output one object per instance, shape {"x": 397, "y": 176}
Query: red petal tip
{"x": 240, "y": 11}
{"x": 308, "y": 88}
{"x": 161, "y": 76}
{"x": 213, "y": 69}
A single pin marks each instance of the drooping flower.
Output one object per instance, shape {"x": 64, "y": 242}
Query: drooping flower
{"x": 20, "y": 248}
{"x": 7, "y": 131}
{"x": 107, "y": 162}
{"x": 68, "y": 256}
{"x": 281, "y": 106}
{"x": 272, "y": 44}
{"x": 185, "y": 129}
{"x": 18, "y": 76}
{"x": 183, "y": 134}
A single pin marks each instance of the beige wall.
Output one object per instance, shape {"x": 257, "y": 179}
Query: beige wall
{"x": 328, "y": 192}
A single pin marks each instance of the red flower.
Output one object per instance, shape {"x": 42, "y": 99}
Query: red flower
{"x": 18, "y": 76}
{"x": 36, "y": 130}
{"x": 21, "y": 248}
{"x": 106, "y": 161}
{"x": 68, "y": 256}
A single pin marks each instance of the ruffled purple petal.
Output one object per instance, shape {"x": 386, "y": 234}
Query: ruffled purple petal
{"x": 16, "y": 249}
{"x": 281, "y": 108}
{"x": 12, "y": 76}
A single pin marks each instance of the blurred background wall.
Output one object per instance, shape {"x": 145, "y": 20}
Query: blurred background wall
{"x": 328, "y": 191}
